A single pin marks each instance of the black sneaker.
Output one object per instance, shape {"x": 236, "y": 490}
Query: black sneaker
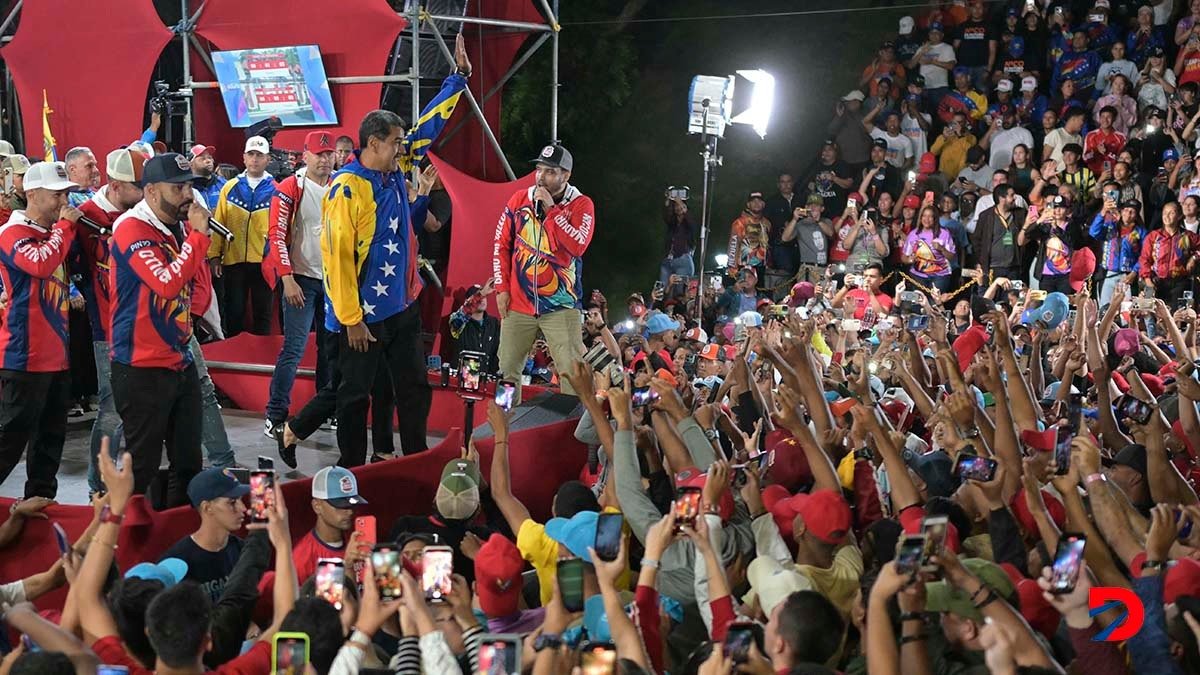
{"x": 377, "y": 457}
{"x": 286, "y": 453}
{"x": 329, "y": 425}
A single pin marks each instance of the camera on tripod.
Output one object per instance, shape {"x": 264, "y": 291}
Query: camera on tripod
{"x": 165, "y": 102}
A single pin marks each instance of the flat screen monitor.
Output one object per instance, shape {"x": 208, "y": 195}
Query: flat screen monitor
{"x": 284, "y": 82}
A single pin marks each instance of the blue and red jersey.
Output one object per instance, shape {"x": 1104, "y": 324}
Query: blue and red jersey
{"x": 91, "y": 262}
{"x": 152, "y": 272}
{"x": 33, "y": 336}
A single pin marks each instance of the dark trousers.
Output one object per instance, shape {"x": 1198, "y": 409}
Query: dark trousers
{"x": 1171, "y": 290}
{"x": 160, "y": 406}
{"x": 239, "y": 281}
{"x": 1061, "y": 284}
{"x": 33, "y": 414}
{"x": 397, "y": 352}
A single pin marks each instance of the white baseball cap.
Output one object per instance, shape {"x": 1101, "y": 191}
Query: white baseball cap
{"x": 1029, "y": 84}
{"x": 257, "y": 144}
{"x": 49, "y": 176}
{"x": 906, "y": 25}
{"x": 1004, "y": 85}
{"x": 855, "y": 95}
{"x": 6, "y": 148}
{"x": 125, "y": 165}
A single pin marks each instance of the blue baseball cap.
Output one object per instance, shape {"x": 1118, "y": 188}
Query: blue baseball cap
{"x": 1051, "y": 312}
{"x": 936, "y": 25}
{"x": 750, "y": 319}
{"x": 595, "y": 619}
{"x": 961, "y": 70}
{"x": 213, "y": 484}
{"x": 337, "y": 486}
{"x": 1170, "y": 153}
{"x": 169, "y": 571}
{"x": 576, "y": 533}
{"x": 660, "y": 323}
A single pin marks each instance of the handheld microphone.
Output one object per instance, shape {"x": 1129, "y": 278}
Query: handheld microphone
{"x": 100, "y": 229}
{"x": 219, "y": 229}
{"x": 539, "y": 209}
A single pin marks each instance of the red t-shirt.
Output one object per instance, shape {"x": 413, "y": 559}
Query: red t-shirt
{"x": 862, "y": 301}
{"x": 257, "y": 661}
{"x": 308, "y": 550}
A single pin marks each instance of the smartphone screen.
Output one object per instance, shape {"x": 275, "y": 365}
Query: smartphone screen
{"x": 597, "y": 658}
{"x": 330, "y": 581}
{"x": 241, "y": 474}
{"x": 973, "y": 467}
{"x": 1068, "y": 558}
{"x": 908, "y": 556}
{"x": 643, "y": 396}
{"x": 105, "y": 669}
{"x": 499, "y": 655}
{"x": 687, "y": 507}
{"x": 738, "y": 639}
{"x": 437, "y": 570}
{"x": 385, "y": 563}
{"x": 262, "y": 495}
{"x": 289, "y": 654}
{"x": 608, "y": 535}
{"x": 934, "y": 529}
{"x": 570, "y": 583}
{"x": 1074, "y": 411}
{"x": 60, "y": 537}
{"x": 917, "y": 322}
{"x": 470, "y": 371}
{"x": 1135, "y": 409}
{"x": 505, "y": 392}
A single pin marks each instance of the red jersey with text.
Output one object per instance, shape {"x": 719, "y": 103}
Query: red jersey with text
{"x": 540, "y": 263}
{"x": 33, "y": 336}
{"x": 92, "y": 262}
{"x": 152, "y": 274}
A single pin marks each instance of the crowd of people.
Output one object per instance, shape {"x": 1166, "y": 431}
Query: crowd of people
{"x": 938, "y": 410}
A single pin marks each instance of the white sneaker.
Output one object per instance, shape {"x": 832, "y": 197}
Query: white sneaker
{"x": 267, "y": 427}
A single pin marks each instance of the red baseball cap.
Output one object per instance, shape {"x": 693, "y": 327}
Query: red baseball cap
{"x": 1083, "y": 264}
{"x": 912, "y": 518}
{"x": 825, "y": 514}
{"x": 1024, "y": 517}
{"x": 968, "y": 344}
{"x": 1040, "y": 440}
{"x": 1154, "y": 383}
{"x": 498, "y": 567}
{"x": 912, "y": 202}
{"x": 317, "y": 142}
{"x": 199, "y": 149}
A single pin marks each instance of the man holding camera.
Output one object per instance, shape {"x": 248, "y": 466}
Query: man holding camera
{"x": 680, "y": 232}
{"x": 812, "y": 235}
{"x": 863, "y": 292}
{"x": 537, "y": 262}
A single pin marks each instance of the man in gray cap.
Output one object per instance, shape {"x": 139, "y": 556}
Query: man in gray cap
{"x": 13, "y": 197}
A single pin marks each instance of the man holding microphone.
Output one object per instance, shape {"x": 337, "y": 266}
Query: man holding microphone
{"x": 537, "y": 265}
{"x": 157, "y": 248}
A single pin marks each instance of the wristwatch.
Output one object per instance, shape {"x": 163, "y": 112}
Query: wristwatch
{"x": 710, "y": 434}
{"x": 108, "y": 517}
{"x": 1153, "y": 565}
{"x": 547, "y": 641}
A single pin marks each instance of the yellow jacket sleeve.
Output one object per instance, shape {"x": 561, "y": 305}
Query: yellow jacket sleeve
{"x": 216, "y": 249}
{"x": 343, "y": 218}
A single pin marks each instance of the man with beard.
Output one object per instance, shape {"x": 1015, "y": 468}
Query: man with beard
{"x": 749, "y": 236}
{"x": 830, "y": 178}
{"x": 1004, "y": 135}
{"x": 33, "y": 337}
{"x": 157, "y": 248}
{"x": 208, "y": 182}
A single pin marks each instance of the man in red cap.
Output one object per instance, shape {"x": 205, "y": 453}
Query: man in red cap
{"x": 208, "y": 182}
{"x": 293, "y": 257}
{"x": 498, "y": 583}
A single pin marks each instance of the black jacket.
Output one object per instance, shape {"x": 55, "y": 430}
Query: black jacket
{"x": 981, "y": 238}
{"x": 482, "y": 337}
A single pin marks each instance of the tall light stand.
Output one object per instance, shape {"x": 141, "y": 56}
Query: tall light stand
{"x": 711, "y": 160}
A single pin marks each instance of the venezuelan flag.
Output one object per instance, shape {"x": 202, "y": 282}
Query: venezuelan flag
{"x": 48, "y": 142}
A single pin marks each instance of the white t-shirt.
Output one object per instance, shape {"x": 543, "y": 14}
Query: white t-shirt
{"x": 1056, "y": 140}
{"x": 1162, "y": 12}
{"x": 899, "y": 147}
{"x": 306, "y": 232}
{"x": 1003, "y": 144}
{"x": 254, "y": 181}
{"x": 916, "y": 135}
{"x": 1151, "y": 93}
{"x": 937, "y": 77}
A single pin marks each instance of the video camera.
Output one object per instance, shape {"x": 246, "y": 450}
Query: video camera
{"x": 280, "y": 166}
{"x": 165, "y": 102}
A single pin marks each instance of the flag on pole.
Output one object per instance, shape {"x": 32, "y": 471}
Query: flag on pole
{"x": 47, "y": 137}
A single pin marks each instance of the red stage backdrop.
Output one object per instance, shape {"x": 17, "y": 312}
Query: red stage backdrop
{"x": 94, "y": 59}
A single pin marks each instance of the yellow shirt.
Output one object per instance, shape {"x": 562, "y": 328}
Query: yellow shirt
{"x": 952, "y": 154}
{"x": 542, "y": 552}
{"x": 840, "y": 581}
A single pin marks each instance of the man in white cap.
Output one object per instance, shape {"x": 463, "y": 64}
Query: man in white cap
{"x": 34, "y": 374}
{"x": 907, "y": 42}
{"x": 84, "y": 171}
{"x": 935, "y": 59}
{"x": 244, "y": 206}
{"x": 846, "y": 128}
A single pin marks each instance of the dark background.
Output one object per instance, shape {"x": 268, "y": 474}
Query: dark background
{"x": 623, "y": 112}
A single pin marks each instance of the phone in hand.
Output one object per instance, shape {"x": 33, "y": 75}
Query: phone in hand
{"x": 1136, "y": 410}
{"x": 505, "y": 393}
{"x": 974, "y": 467}
{"x": 687, "y": 507}
{"x": 1068, "y": 560}
{"x": 289, "y": 653}
{"x": 365, "y": 526}
{"x": 437, "y": 572}
{"x": 60, "y": 538}
{"x": 262, "y": 495}
{"x": 106, "y": 669}
{"x": 739, "y": 637}
{"x": 598, "y": 658}
{"x": 917, "y": 322}
{"x": 1062, "y": 450}
{"x": 570, "y": 583}
{"x": 608, "y": 535}
{"x": 330, "y": 580}
{"x": 641, "y": 396}
{"x": 500, "y": 654}
{"x": 385, "y": 564}
{"x": 934, "y": 528}
{"x": 908, "y": 554}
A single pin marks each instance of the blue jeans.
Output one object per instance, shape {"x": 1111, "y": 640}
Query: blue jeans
{"x": 683, "y": 265}
{"x": 108, "y": 423}
{"x": 297, "y": 324}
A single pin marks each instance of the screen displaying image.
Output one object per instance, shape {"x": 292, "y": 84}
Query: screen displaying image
{"x": 437, "y": 568}
{"x": 1067, "y": 561}
{"x": 498, "y": 658}
{"x": 284, "y": 82}
{"x": 330, "y": 581}
{"x": 262, "y": 495}
{"x": 470, "y": 371}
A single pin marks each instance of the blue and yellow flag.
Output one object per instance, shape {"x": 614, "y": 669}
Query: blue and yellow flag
{"x": 47, "y": 137}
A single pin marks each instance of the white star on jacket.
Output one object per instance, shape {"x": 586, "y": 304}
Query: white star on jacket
{"x": 394, "y": 225}
{"x": 392, "y": 247}
{"x": 388, "y": 270}
{"x": 379, "y": 288}
{"x": 368, "y": 308}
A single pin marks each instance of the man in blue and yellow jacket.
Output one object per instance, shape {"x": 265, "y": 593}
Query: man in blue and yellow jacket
{"x": 369, "y": 254}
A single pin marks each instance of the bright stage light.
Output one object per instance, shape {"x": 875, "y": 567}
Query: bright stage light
{"x": 721, "y": 259}
{"x": 711, "y": 102}
{"x": 762, "y": 100}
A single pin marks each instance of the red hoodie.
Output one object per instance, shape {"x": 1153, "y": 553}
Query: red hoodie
{"x": 33, "y": 337}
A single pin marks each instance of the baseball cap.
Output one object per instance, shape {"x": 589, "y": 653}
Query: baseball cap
{"x": 1060, "y": 200}
{"x": 936, "y": 25}
{"x": 1028, "y": 84}
{"x": 880, "y": 143}
{"x": 802, "y": 292}
{"x": 1131, "y": 204}
{"x": 199, "y": 149}
{"x": 1083, "y": 264}
{"x": 750, "y": 319}
{"x": 961, "y": 70}
{"x": 257, "y": 144}
{"x": 1132, "y": 456}
{"x": 317, "y": 142}
{"x": 18, "y": 163}
{"x": 1051, "y": 312}
{"x": 815, "y": 199}
{"x": 755, "y": 195}
{"x": 941, "y": 596}
{"x": 1170, "y": 153}
{"x": 912, "y": 202}
{"x": 712, "y": 352}
{"x": 855, "y": 95}
{"x": 917, "y": 80}
{"x": 660, "y": 323}
{"x": 906, "y": 25}
{"x": 337, "y": 486}
{"x": 555, "y": 155}
{"x": 213, "y": 484}
{"x": 1157, "y": 51}
{"x": 125, "y": 165}
{"x": 7, "y": 148}
{"x": 936, "y": 469}
{"x": 710, "y": 382}
{"x": 48, "y": 176}
{"x": 169, "y": 571}
{"x": 1101, "y": 4}
{"x": 168, "y": 168}
{"x": 772, "y": 583}
{"x": 695, "y": 335}
{"x": 826, "y": 515}
{"x": 577, "y": 533}
{"x": 928, "y": 163}
{"x": 498, "y": 567}
{"x": 1004, "y": 85}
{"x": 457, "y": 495}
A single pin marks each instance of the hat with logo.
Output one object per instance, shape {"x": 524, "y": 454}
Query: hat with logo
{"x": 941, "y": 596}
{"x": 1154, "y": 111}
{"x": 1060, "y": 200}
{"x": 1157, "y": 51}
{"x": 1004, "y": 85}
{"x": 826, "y": 514}
{"x": 49, "y": 176}
{"x": 880, "y": 143}
{"x": 317, "y": 142}
{"x": 712, "y": 352}
{"x": 457, "y": 495}
{"x": 928, "y": 163}
{"x": 906, "y": 25}
{"x": 1049, "y": 314}
{"x": 749, "y": 319}
{"x": 854, "y": 95}
{"x": 577, "y": 533}
{"x": 257, "y": 144}
{"x": 169, "y": 168}
{"x": 198, "y": 149}
{"x": 169, "y": 571}
{"x": 1170, "y": 153}
{"x": 660, "y": 323}
{"x": 1132, "y": 204}
{"x": 337, "y": 486}
{"x": 498, "y": 582}
{"x": 213, "y": 484}
{"x": 936, "y": 26}
{"x": 695, "y": 335}
{"x": 125, "y": 165}
{"x": 18, "y": 164}
{"x": 555, "y": 155}
{"x": 772, "y": 583}
{"x": 1029, "y": 84}
{"x": 754, "y": 195}
{"x": 7, "y": 148}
